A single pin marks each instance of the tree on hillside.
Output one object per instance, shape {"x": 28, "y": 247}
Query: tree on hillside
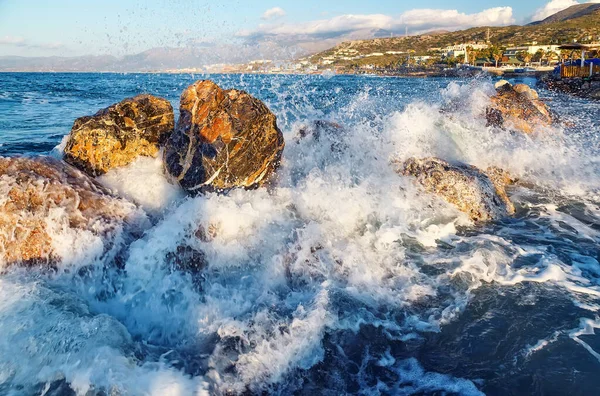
{"x": 550, "y": 55}
{"x": 496, "y": 53}
{"x": 524, "y": 56}
{"x": 539, "y": 55}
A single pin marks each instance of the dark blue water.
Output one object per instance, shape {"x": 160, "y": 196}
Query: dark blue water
{"x": 345, "y": 278}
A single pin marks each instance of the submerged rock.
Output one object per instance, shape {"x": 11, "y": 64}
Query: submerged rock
{"x": 322, "y": 131}
{"x": 45, "y": 204}
{"x": 224, "y": 139}
{"x": 518, "y": 107}
{"x": 318, "y": 128}
{"x": 117, "y": 135}
{"x": 480, "y": 194}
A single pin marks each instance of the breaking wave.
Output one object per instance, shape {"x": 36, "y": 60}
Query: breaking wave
{"x": 342, "y": 276}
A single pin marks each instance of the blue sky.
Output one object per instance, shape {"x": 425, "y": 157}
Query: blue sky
{"x": 119, "y": 27}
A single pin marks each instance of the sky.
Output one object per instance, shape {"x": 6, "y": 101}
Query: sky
{"x": 121, "y": 27}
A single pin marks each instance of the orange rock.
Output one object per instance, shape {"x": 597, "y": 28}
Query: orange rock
{"x": 519, "y": 108}
{"x": 41, "y": 193}
{"x": 117, "y": 135}
{"x": 224, "y": 139}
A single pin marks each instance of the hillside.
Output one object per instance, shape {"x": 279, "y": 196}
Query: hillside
{"x": 573, "y": 12}
{"x": 568, "y": 27}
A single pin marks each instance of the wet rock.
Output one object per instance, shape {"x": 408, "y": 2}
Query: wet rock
{"x": 574, "y": 86}
{"x": 323, "y": 132}
{"x": 480, "y": 194}
{"x": 224, "y": 139}
{"x": 519, "y": 108}
{"x": 44, "y": 202}
{"x": 500, "y": 84}
{"x": 526, "y": 90}
{"x": 187, "y": 259}
{"x": 117, "y": 135}
{"x": 315, "y": 129}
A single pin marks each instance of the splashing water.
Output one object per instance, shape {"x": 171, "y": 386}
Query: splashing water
{"x": 341, "y": 277}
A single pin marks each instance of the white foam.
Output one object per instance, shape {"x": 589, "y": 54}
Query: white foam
{"x": 144, "y": 183}
{"x": 337, "y": 225}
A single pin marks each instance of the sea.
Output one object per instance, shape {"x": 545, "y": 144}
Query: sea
{"x": 341, "y": 277}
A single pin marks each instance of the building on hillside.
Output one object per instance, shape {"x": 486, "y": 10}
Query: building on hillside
{"x": 511, "y": 62}
{"x": 461, "y": 49}
{"x": 531, "y": 49}
{"x": 421, "y": 58}
{"x": 485, "y": 62}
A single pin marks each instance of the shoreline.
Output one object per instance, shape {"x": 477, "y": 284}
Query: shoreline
{"x": 451, "y": 73}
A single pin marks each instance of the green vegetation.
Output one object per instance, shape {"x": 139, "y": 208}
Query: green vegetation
{"x": 583, "y": 29}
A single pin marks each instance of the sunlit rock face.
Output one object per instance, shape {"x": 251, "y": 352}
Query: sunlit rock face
{"x": 518, "y": 107}
{"x": 117, "y": 135}
{"x": 50, "y": 210}
{"x": 224, "y": 139}
{"x": 479, "y": 194}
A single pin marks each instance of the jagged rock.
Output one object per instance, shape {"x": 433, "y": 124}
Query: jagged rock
{"x": 323, "y": 132}
{"x": 117, "y": 135}
{"x": 315, "y": 129}
{"x": 526, "y": 90}
{"x": 42, "y": 199}
{"x": 224, "y": 139}
{"x": 500, "y": 84}
{"x": 518, "y": 107}
{"x": 480, "y": 194}
{"x": 187, "y": 259}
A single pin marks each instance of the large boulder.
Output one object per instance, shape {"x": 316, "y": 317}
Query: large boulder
{"x": 46, "y": 205}
{"x": 224, "y": 139}
{"x": 518, "y": 107}
{"x": 480, "y": 194}
{"x": 117, "y": 135}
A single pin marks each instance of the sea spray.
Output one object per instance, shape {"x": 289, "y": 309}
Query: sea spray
{"x": 341, "y": 277}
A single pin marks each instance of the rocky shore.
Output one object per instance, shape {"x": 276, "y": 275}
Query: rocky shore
{"x": 583, "y": 88}
{"x": 223, "y": 140}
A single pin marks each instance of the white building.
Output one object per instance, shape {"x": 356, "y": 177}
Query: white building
{"x": 461, "y": 49}
{"x": 532, "y": 49}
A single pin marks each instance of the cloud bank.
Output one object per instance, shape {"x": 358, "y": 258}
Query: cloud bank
{"x": 417, "y": 21}
{"x": 22, "y": 42}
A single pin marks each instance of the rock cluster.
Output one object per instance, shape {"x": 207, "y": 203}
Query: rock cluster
{"x": 588, "y": 89}
{"x": 224, "y": 139}
{"x": 480, "y": 194}
{"x": 117, "y": 135}
{"x": 37, "y": 194}
{"x": 518, "y": 107}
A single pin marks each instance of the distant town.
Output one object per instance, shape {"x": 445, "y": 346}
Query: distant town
{"x": 348, "y": 60}
{"x": 538, "y": 46}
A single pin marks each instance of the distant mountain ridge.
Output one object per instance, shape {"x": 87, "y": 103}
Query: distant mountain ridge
{"x": 573, "y": 12}
{"x": 577, "y": 22}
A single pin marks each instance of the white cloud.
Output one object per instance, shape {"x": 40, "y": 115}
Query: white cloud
{"x": 11, "y": 40}
{"x": 22, "y": 42}
{"x": 273, "y": 13}
{"x": 419, "y": 20}
{"x": 555, "y": 6}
